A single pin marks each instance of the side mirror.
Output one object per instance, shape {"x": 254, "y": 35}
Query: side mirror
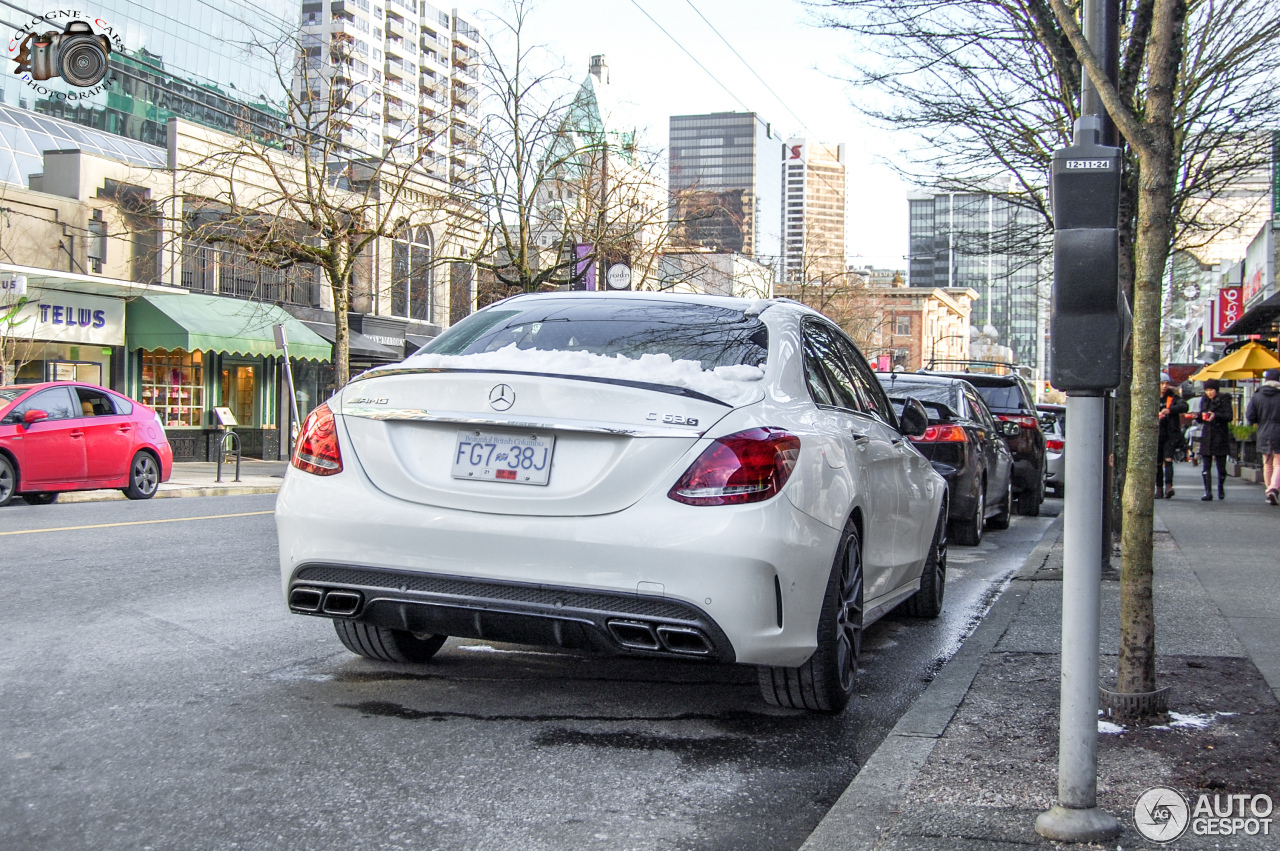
{"x": 33, "y": 416}
{"x": 914, "y": 421}
{"x": 1010, "y": 429}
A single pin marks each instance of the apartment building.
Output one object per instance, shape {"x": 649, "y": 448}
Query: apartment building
{"x": 813, "y": 247}
{"x": 405, "y": 75}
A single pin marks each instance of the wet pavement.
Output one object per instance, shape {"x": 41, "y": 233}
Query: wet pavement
{"x": 156, "y": 694}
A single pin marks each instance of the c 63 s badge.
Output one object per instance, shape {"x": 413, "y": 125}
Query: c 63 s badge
{"x": 672, "y": 419}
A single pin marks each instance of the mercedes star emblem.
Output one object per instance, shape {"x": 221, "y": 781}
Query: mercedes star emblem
{"x": 501, "y": 397}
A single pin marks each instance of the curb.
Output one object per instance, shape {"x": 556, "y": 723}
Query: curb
{"x": 869, "y": 806}
{"x": 212, "y": 490}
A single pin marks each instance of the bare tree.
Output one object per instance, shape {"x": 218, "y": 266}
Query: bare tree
{"x": 993, "y": 86}
{"x": 564, "y": 191}
{"x": 318, "y": 197}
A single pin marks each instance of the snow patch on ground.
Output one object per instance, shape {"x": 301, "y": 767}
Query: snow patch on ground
{"x": 1108, "y": 727}
{"x": 737, "y": 385}
{"x": 1192, "y": 721}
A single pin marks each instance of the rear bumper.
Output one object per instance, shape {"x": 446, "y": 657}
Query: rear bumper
{"x": 725, "y": 571}
{"x": 509, "y": 611}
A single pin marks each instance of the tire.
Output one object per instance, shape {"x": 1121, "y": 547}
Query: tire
{"x": 1029, "y": 502}
{"x": 825, "y": 682}
{"x": 144, "y": 476}
{"x": 8, "y": 481}
{"x": 927, "y": 602}
{"x": 386, "y": 645}
{"x": 43, "y": 498}
{"x": 968, "y": 532}
{"x": 1001, "y": 520}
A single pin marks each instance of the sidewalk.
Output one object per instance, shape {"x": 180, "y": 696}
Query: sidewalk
{"x": 974, "y": 760}
{"x": 199, "y": 478}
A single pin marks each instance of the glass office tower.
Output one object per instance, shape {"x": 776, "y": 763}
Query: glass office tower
{"x": 210, "y": 62}
{"x": 990, "y": 243}
{"x": 726, "y": 183}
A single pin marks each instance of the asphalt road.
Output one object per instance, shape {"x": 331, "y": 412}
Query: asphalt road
{"x": 156, "y": 694}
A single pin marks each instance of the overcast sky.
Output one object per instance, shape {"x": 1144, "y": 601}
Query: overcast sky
{"x": 798, "y": 61}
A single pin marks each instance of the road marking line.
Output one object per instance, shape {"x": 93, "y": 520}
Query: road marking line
{"x": 137, "y": 523}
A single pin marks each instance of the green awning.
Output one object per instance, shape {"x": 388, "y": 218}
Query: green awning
{"x": 195, "y": 322}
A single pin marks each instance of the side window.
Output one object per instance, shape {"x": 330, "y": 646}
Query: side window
{"x": 122, "y": 405}
{"x": 980, "y": 412}
{"x": 56, "y": 402}
{"x": 94, "y": 403}
{"x": 813, "y": 373}
{"x": 876, "y": 402}
{"x": 820, "y": 347}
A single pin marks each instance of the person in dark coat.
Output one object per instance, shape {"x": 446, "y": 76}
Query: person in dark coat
{"x": 1264, "y": 412}
{"x": 1171, "y": 442}
{"x": 1215, "y": 416}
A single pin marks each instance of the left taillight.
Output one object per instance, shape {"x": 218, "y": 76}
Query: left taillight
{"x": 750, "y": 466}
{"x": 317, "y": 449}
{"x": 1055, "y": 445}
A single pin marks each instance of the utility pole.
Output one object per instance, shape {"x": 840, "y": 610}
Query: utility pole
{"x": 1089, "y": 323}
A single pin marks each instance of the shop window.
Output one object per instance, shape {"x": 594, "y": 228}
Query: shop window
{"x": 173, "y": 384}
{"x": 239, "y": 391}
{"x": 411, "y": 274}
{"x": 87, "y": 372}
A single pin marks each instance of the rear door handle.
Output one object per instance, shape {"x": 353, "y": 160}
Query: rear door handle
{"x": 77, "y": 434}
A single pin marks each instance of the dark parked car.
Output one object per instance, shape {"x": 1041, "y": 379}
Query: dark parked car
{"x": 964, "y": 443}
{"x": 1009, "y": 398}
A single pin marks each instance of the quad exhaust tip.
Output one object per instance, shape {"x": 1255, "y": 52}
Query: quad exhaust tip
{"x": 305, "y": 599}
{"x": 682, "y": 640}
{"x": 341, "y": 604}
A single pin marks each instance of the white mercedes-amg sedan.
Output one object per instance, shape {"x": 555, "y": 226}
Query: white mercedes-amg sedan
{"x": 676, "y": 476}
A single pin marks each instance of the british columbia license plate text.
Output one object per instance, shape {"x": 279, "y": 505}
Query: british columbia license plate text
{"x": 519, "y": 458}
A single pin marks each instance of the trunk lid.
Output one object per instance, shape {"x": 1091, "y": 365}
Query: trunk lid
{"x": 613, "y": 440}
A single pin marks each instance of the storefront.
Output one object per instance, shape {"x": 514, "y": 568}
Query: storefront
{"x": 190, "y": 353}
{"x": 56, "y": 335}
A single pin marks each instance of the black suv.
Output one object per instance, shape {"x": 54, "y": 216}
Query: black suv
{"x": 1009, "y": 398}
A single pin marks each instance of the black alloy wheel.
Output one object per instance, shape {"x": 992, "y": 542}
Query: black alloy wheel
{"x": 42, "y": 498}
{"x": 825, "y": 682}
{"x": 144, "y": 476}
{"x": 8, "y": 481}
{"x": 1001, "y": 520}
{"x": 927, "y": 602}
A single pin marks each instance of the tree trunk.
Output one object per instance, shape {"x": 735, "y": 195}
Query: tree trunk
{"x": 1137, "y": 665}
{"x": 339, "y": 277}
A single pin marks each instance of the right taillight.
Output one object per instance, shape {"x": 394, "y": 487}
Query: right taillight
{"x": 317, "y": 449}
{"x": 943, "y": 434}
{"x": 750, "y": 466}
{"x": 1054, "y": 445}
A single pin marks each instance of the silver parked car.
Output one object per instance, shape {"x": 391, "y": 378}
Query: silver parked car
{"x": 1053, "y": 421}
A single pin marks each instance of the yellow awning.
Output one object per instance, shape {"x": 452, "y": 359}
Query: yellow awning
{"x": 1248, "y": 361}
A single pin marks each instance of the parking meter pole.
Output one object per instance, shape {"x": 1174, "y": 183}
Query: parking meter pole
{"x": 1077, "y": 818}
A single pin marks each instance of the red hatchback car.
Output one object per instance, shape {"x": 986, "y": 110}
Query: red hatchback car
{"x": 63, "y": 436}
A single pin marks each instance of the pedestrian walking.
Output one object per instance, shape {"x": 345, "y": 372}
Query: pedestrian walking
{"x": 1214, "y": 417}
{"x": 1264, "y": 412}
{"x": 1171, "y": 443}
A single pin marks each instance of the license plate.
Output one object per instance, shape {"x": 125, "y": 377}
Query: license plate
{"x": 486, "y": 456}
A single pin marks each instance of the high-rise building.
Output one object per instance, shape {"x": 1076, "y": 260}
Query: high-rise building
{"x": 814, "y": 181}
{"x": 726, "y": 183}
{"x": 209, "y": 62}
{"x": 994, "y": 245}
{"x": 408, "y": 72}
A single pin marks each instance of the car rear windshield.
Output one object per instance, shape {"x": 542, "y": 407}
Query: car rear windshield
{"x": 943, "y": 393}
{"x": 1006, "y": 398}
{"x": 712, "y": 335}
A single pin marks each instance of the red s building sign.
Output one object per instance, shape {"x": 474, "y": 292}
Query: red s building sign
{"x": 795, "y": 151}
{"x": 1230, "y": 309}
